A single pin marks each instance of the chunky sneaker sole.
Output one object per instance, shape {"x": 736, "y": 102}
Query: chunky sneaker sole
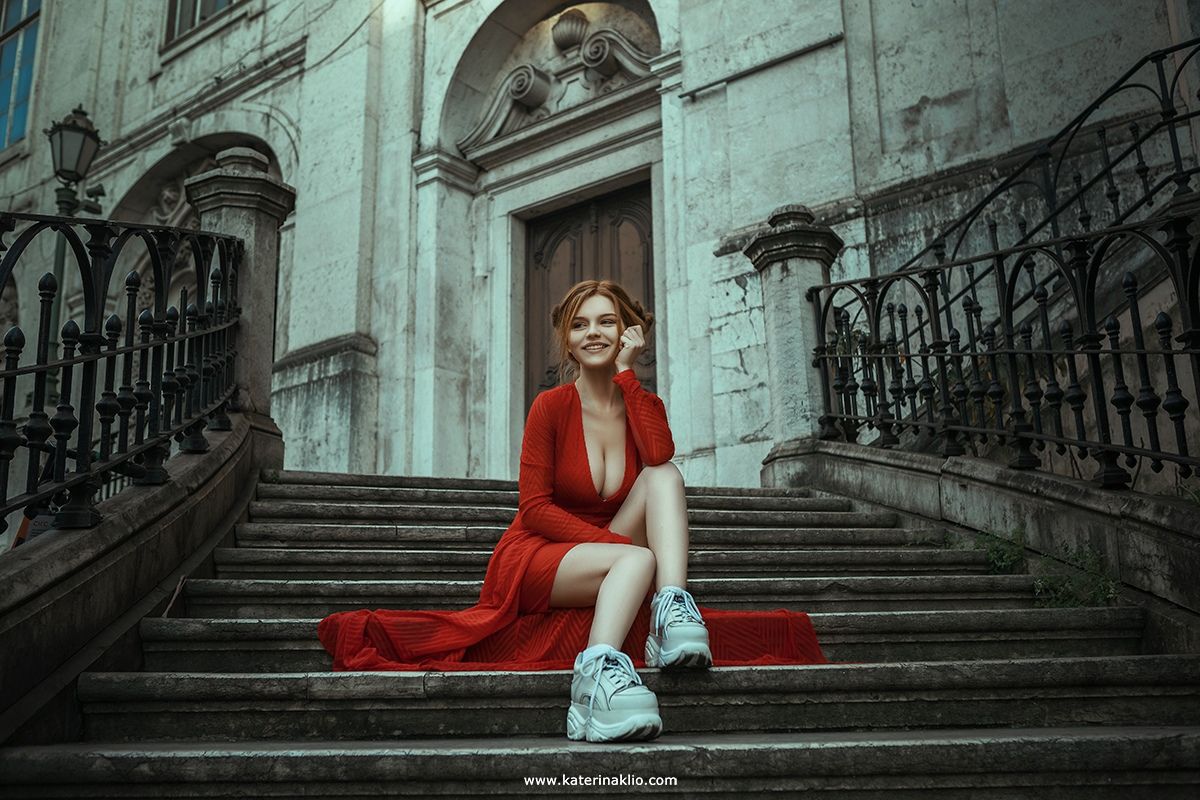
{"x": 611, "y": 726}
{"x": 686, "y": 654}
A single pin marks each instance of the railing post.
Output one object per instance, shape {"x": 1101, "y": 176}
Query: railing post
{"x": 792, "y": 255}
{"x": 240, "y": 199}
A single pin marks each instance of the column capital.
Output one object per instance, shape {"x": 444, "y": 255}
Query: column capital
{"x": 241, "y": 181}
{"x": 792, "y": 232}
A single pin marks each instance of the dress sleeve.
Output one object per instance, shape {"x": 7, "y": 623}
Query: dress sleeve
{"x": 648, "y": 419}
{"x": 536, "y": 486}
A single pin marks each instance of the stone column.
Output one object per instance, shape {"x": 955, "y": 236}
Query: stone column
{"x": 791, "y": 255}
{"x": 240, "y": 199}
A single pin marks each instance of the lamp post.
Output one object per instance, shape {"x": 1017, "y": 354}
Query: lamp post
{"x": 74, "y": 142}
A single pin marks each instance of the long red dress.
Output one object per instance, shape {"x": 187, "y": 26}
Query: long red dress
{"x": 512, "y": 627}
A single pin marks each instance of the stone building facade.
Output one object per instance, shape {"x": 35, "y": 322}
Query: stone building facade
{"x": 457, "y": 162}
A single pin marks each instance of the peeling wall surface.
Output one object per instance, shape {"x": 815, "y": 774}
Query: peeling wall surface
{"x": 419, "y": 149}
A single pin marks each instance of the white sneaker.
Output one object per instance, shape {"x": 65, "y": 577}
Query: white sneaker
{"x": 678, "y": 636}
{"x": 609, "y": 703}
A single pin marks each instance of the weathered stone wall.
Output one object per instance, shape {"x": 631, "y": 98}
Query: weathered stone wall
{"x": 404, "y": 246}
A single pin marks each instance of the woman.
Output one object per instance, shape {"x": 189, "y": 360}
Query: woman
{"x": 602, "y": 518}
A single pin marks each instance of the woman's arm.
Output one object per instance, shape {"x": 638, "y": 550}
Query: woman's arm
{"x": 648, "y": 419}
{"x": 536, "y": 487}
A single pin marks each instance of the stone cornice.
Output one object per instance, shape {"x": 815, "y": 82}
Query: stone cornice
{"x": 241, "y": 181}
{"x": 438, "y": 165}
{"x": 210, "y": 97}
{"x": 668, "y": 68}
{"x": 793, "y": 233}
{"x": 347, "y": 343}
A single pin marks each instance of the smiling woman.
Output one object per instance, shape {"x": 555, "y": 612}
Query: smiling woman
{"x": 602, "y": 518}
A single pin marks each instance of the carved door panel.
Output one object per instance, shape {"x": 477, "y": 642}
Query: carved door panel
{"x": 607, "y": 238}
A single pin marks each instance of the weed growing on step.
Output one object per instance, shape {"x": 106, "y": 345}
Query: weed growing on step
{"x": 1091, "y": 585}
{"x": 1006, "y": 555}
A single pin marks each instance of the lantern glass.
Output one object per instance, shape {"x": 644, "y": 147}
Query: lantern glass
{"x": 73, "y": 145}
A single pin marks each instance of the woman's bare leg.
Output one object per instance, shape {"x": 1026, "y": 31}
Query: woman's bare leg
{"x": 654, "y": 515}
{"x": 612, "y": 577}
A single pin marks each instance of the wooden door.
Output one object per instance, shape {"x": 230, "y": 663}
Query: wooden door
{"x": 607, "y": 238}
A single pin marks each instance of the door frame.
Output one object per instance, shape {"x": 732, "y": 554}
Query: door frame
{"x": 503, "y": 205}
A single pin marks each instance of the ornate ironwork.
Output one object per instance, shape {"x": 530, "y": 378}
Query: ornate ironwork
{"x": 110, "y": 428}
{"x": 1031, "y": 327}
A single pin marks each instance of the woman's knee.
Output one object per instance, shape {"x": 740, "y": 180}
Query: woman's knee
{"x": 665, "y": 474}
{"x": 638, "y": 558}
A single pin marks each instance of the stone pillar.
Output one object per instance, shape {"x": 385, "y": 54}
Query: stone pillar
{"x": 240, "y": 199}
{"x": 791, "y": 255}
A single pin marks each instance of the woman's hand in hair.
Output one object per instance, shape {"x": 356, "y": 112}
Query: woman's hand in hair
{"x": 632, "y": 345}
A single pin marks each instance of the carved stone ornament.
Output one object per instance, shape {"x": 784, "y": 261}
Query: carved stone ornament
{"x": 569, "y": 30}
{"x": 605, "y": 61}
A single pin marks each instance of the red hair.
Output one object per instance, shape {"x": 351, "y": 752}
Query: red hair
{"x": 629, "y": 311}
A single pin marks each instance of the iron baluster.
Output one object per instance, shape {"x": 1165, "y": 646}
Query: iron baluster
{"x": 1033, "y": 387}
{"x": 10, "y": 438}
{"x": 1075, "y": 395}
{"x": 38, "y": 429}
{"x": 126, "y": 400}
{"x": 910, "y": 385}
{"x": 1148, "y": 400}
{"x": 1174, "y": 403}
{"x": 925, "y": 387}
{"x": 1111, "y": 192}
{"x": 108, "y": 406}
{"x": 64, "y": 422}
{"x": 1054, "y": 392}
{"x": 975, "y": 389}
{"x": 1143, "y": 171}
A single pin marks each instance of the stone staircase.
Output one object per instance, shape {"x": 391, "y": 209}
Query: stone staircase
{"x": 953, "y": 683}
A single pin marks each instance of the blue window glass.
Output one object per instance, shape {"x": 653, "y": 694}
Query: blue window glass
{"x": 18, "y": 44}
{"x": 8, "y": 63}
{"x": 186, "y": 15}
{"x": 24, "y": 79}
{"x": 13, "y": 14}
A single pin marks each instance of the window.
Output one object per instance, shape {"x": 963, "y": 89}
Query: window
{"x": 186, "y": 15}
{"x": 18, "y": 42}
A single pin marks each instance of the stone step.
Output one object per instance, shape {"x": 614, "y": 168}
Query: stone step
{"x": 269, "y": 599}
{"x": 413, "y": 564}
{"x": 469, "y": 537}
{"x": 1080, "y": 763}
{"x": 1122, "y": 690}
{"x": 823, "y": 513}
{"x": 285, "y": 645}
{"x": 338, "y": 479}
{"x": 381, "y": 495}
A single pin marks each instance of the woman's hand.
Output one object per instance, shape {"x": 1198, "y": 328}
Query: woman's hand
{"x": 632, "y": 345}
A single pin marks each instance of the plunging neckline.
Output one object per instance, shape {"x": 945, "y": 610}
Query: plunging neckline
{"x": 587, "y": 458}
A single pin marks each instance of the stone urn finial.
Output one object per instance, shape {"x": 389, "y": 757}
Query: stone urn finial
{"x": 569, "y": 30}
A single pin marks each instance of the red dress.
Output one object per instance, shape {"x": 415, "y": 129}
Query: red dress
{"x": 512, "y": 627}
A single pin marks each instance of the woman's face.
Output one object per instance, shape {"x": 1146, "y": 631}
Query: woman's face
{"x": 595, "y": 333}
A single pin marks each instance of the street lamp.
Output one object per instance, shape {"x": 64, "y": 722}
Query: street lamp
{"x": 74, "y": 142}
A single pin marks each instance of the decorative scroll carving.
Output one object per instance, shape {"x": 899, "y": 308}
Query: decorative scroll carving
{"x": 588, "y": 67}
{"x": 529, "y": 86}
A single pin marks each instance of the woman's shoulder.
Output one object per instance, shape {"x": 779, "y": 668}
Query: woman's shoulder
{"x": 555, "y": 398}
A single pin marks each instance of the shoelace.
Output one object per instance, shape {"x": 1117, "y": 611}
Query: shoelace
{"x": 678, "y": 607}
{"x": 625, "y": 675}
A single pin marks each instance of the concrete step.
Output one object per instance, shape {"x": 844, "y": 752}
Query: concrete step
{"x": 1080, "y": 763}
{"x": 339, "y": 479}
{"x": 286, "y": 645}
{"x": 381, "y": 495}
{"x": 361, "y": 564}
{"x": 269, "y": 599}
{"x": 468, "y": 537}
{"x": 810, "y": 512}
{"x": 1123, "y": 690}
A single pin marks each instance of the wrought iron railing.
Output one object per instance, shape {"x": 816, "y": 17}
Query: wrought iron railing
{"x": 1115, "y": 163}
{"x": 129, "y": 383}
{"x": 970, "y": 384}
{"x": 1022, "y": 323}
